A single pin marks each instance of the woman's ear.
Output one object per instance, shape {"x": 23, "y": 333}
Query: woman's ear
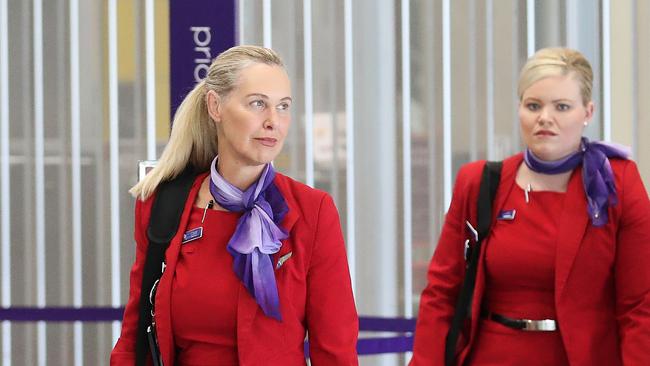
{"x": 214, "y": 105}
{"x": 590, "y": 111}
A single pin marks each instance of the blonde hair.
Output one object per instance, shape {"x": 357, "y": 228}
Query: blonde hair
{"x": 193, "y": 140}
{"x": 557, "y": 62}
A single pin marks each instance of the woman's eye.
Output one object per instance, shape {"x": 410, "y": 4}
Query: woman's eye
{"x": 563, "y": 107}
{"x": 284, "y": 106}
{"x": 258, "y": 104}
{"x": 532, "y": 106}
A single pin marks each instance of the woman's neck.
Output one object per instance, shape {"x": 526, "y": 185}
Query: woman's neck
{"x": 540, "y": 181}
{"x": 239, "y": 175}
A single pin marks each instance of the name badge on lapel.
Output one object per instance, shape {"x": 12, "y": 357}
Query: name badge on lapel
{"x": 507, "y": 215}
{"x": 192, "y": 234}
{"x": 197, "y": 232}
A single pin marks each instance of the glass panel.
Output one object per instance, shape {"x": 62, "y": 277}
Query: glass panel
{"x": 427, "y": 134}
{"x": 643, "y": 89}
{"x": 376, "y": 158}
{"x": 467, "y": 55}
{"x": 329, "y": 132}
{"x": 253, "y": 23}
{"x": 509, "y": 55}
{"x": 21, "y": 171}
{"x": 60, "y": 347}
{"x": 287, "y": 40}
{"x": 95, "y": 176}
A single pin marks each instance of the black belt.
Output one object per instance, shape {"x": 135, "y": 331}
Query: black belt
{"x": 543, "y": 325}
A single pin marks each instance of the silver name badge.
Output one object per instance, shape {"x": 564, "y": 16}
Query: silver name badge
{"x": 283, "y": 259}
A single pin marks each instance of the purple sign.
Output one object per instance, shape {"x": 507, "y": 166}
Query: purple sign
{"x": 199, "y": 31}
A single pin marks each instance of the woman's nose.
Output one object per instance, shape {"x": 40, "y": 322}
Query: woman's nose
{"x": 545, "y": 115}
{"x": 271, "y": 119}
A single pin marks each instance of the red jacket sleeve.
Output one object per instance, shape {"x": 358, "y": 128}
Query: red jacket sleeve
{"x": 124, "y": 351}
{"x": 632, "y": 270}
{"x": 331, "y": 314}
{"x": 445, "y": 276}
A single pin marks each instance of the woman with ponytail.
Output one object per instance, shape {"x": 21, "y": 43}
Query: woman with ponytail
{"x": 563, "y": 275}
{"x": 268, "y": 268}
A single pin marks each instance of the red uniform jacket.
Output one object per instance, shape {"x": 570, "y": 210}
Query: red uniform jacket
{"x": 313, "y": 285}
{"x": 602, "y": 274}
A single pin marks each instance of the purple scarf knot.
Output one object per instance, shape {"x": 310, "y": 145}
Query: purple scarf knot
{"x": 257, "y": 235}
{"x": 597, "y": 174}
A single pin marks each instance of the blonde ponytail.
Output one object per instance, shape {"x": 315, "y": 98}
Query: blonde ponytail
{"x": 193, "y": 141}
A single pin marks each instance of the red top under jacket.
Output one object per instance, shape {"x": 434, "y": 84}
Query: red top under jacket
{"x": 520, "y": 276}
{"x": 204, "y": 293}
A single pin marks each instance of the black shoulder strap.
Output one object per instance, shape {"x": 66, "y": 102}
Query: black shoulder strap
{"x": 165, "y": 218}
{"x": 487, "y": 192}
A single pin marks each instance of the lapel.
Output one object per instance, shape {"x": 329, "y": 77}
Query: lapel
{"x": 247, "y": 308}
{"x": 571, "y": 229}
{"x": 171, "y": 257}
{"x": 506, "y": 183}
{"x": 289, "y": 219}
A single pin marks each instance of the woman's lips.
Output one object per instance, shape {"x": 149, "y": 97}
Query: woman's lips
{"x": 267, "y": 141}
{"x": 544, "y": 133}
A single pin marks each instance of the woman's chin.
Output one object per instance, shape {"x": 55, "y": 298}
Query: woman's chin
{"x": 550, "y": 154}
{"x": 261, "y": 159}
{"x": 268, "y": 155}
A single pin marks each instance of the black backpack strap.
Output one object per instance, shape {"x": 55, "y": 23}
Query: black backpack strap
{"x": 489, "y": 184}
{"x": 166, "y": 213}
{"x": 487, "y": 192}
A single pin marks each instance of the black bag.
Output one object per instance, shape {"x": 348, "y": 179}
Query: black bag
{"x": 166, "y": 213}
{"x": 487, "y": 192}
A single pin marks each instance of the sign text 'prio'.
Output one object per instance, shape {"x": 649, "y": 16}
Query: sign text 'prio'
{"x": 202, "y": 38}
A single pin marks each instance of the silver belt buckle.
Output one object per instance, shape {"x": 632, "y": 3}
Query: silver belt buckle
{"x": 545, "y": 325}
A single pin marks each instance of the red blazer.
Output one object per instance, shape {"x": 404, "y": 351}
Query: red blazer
{"x": 313, "y": 285}
{"x": 602, "y": 274}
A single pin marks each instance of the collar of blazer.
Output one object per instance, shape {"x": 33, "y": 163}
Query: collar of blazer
{"x": 572, "y": 225}
{"x": 289, "y": 219}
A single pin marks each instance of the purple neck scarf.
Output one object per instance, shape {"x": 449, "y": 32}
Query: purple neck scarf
{"x": 257, "y": 235}
{"x": 597, "y": 175}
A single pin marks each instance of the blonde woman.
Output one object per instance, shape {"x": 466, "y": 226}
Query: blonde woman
{"x": 269, "y": 267}
{"x": 563, "y": 276}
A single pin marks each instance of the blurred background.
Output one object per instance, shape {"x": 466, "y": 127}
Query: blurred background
{"x": 391, "y": 97}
